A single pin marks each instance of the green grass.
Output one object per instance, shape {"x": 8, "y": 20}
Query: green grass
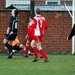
{"x": 19, "y": 65}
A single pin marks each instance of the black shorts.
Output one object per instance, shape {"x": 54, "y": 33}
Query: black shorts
{"x": 17, "y": 47}
{"x": 11, "y": 37}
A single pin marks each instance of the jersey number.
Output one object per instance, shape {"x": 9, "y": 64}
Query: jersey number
{"x": 41, "y": 23}
{"x": 16, "y": 25}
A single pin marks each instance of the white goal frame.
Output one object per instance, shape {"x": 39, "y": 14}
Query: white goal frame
{"x": 73, "y": 20}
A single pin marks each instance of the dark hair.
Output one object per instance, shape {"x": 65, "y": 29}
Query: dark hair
{"x": 16, "y": 12}
{"x": 38, "y": 11}
{"x": 31, "y": 16}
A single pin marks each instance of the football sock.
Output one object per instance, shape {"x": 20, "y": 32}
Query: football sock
{"x": 35, "y": 52}
{"x": 40, "y": 53}
{"x": 9, "y": 47}
{"x": 27, "y": 48}
{"x": 43, "y": 54}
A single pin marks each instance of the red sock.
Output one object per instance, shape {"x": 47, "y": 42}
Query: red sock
{"x": 35, "y": 52}
{"x": 43, "y": 54}
{"x": 27, "y": 48}
{"x": 40, "y": 53}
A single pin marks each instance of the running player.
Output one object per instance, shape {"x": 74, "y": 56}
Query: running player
{"x": 11, "y": 32}
{"x": 17, "y": 46}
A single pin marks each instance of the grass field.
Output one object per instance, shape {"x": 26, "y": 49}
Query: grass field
{"x": 19, "y": 65}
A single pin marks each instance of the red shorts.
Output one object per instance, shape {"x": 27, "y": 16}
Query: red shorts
{"x": 30, "y": 38}
{"x": 37, "y": 38}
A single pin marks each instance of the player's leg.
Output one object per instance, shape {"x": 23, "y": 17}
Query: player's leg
{"x": 27, "y": 48}
{"x": 8, "y": 46}
{"x": 16, "y": 48}
{"x": 34, "y": 50}
{"x": 10, "y": 38}
{"x": 21, "y": 46}
{"x": 41, "y": 50}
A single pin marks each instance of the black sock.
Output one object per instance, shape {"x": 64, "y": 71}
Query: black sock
{"x": 9, "y": 47}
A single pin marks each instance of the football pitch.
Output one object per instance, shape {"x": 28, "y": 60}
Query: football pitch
{"x": 19, "y": 65}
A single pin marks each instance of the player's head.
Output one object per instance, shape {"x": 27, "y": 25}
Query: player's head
{"x": 14, "y": 12}
{"x": 37, "y": 11}
{"x": 30, "y": 17}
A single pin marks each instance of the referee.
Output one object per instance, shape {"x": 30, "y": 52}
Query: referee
{"x": 11, "y": 31}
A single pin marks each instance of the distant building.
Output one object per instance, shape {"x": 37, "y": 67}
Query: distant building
{"x": 53, "y": 5}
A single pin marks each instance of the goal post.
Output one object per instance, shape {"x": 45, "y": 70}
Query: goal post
{"x": 73, "y": 20}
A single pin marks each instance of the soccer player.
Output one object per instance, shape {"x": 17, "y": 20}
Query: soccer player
{"x": 39, "y": 26}
{"x": 16, "y": 46}
{"x": 29, "y": 35}
{"x": 72, "y": 33}
{"x": 11, "y": 31}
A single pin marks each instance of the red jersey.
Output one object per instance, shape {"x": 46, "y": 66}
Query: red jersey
{"x": 39, "y": 26}
{"x": 30, "y": 30}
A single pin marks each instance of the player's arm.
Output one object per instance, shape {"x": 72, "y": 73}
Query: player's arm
{"x": 46, "y": 24}
{"x": 10, "y": 25}
{"x": 34, "y": 23}
{"x": 72, "y": 33}
{"x": 26, "y": 36}
{"x": 28, "y": 31}
{"x": 8, "y": 29}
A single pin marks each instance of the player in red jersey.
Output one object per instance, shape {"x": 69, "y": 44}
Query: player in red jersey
{"x": 39, "y": 26}
{"x": 29, "y": 36}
